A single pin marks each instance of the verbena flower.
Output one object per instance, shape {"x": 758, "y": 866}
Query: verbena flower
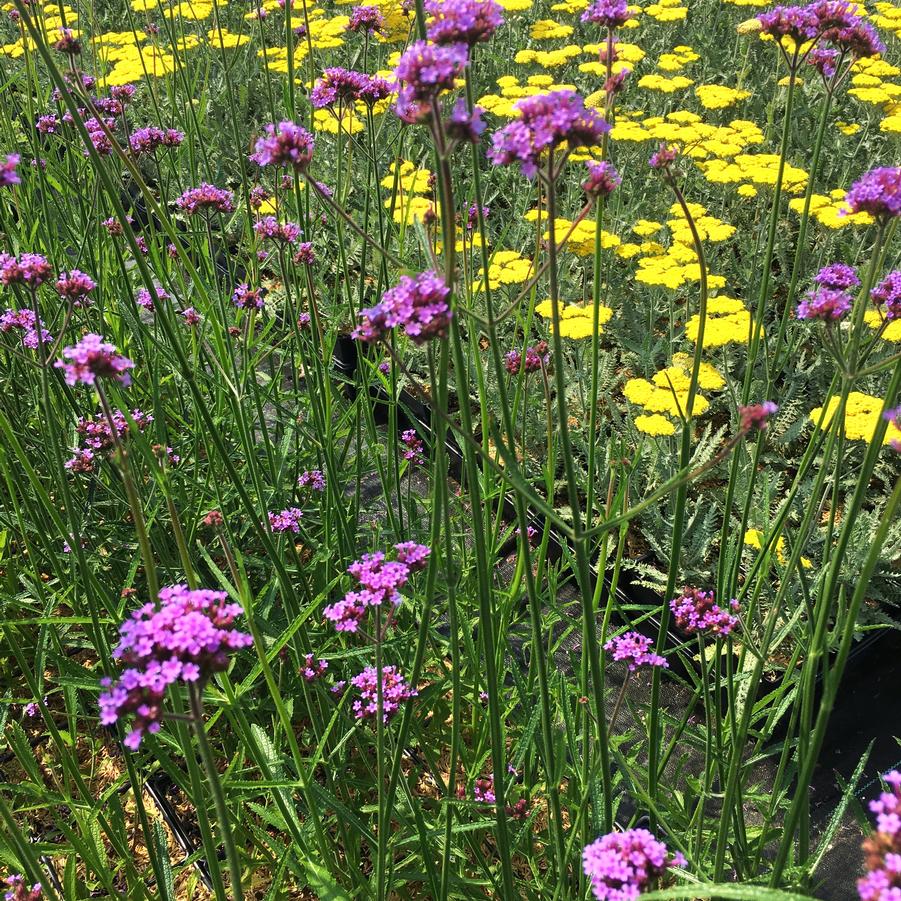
{"x": 337, "y": 85}
{"x": 312, "y": 668}
{"x": 796, "y": 22}
{"x": 93, "y": 358}
{"x": 413, "y": 443}
{"x": 144, "y": 299}
{"x": 32, "y": 329}
{"x": 535, "y": 359}
{"x": 877, "y": 193}
{"x": 314, "y": 479}
{"x": 17, "y": 890}
{"x": 67, "y": 42}
{"x": 75, "y": 287}
{"x": 151, "y": 138}
{"x": 635, "y": 650}
{"x": 247, "y": 298}
{"x": 622, "y": 865}
{"x": 882, "y": 850}
{"x": 286, "y": 521}
{"x": 607, "y": 13}
{"x": 419, "y": 305}
{"x": 602, "y": 179}
{"x": 287, "y": 144}
{"x": 888, "y": 293}
{"x": 190, "y": 316}
{"x": 366, "y": 18}
{"x": 395, "y": 691}
{"x": 463, "y": 125}
{"x": 8, "y": 174}
{"x": 462, "y": 21}
{"x": 97, "y": 436}
{"x": 206, "y": 198}
{"x": 423, "y": 72}
{"x": 756, "y": 416}
{"x": 29, "y": 269}
{"x": 663, "y": 158}
{"x": 827, "y": 304}
{"x": 695, "y": 611}
{"x": 414, "y": 556}
{"x": 186, "y": 637}
{"x": 269, "y": 227}
{"x": 546, "y": 121}
{"x": 838, "y": 276}
{"x": 305, "y": 254}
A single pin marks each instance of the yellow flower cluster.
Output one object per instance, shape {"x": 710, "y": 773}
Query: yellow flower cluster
{"x": 666, "y": 394}
{"x": 888, "y": 17}
{"x": 667, "y": 11}
{"x": 728, "y": 321}
{"x": 869, "y": 85}
{"x": 664, "y": 85}
{"x": 754, "y": 538}
{"x": 548, "y": 59}
{"x": 679, "y": 58}
{"x": 581, "y": 241}
{"x": 754, "y": 169}
{"x": 862, "y": 416}
{"x": 511, "y": 90}
{"x": 410, "y": 179}
{"x": 718, "y": 96}
{"x": 875, "y": 320}
{"x": 576, "y": 322}
{"x": 831, "y": 210}
{"x": 507, "y": 267}
{"x": 325, "y": 34}
{"x": 549, "y": 30}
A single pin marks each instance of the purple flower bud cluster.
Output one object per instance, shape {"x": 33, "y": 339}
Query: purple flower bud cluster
{"x": 206, "y": 198}
{"x": 143, "y": 298}
{"x": 305, "y": 255}
{"x": 286, "y": 144}
{"x": 394, "y": 688}
{"x": 17, "y": 890}
{"x": 472, "y": 217}
{"x": 380, "y": 581}
{"x": 29, "y": 269}
{"x": 8, "y": 174}
{"x": 483, "y": 790}
{"x": 635, "y": 650}
{"x": 536, "y": 358}
{"x": 462, "y": 21}
{"x": 97, "y": 437}
{"x": 607, "y": 13}
{"x": 25, "y": 321}
{"x": 838, "y": 276}
{"x": 366, "y": 18}
{"x": 67, "y": 42}
{"x": 191, "y": 316}
{"x": 93, "y": 358}
{"x": 423, "y": 72}
{"x": 284, "y": 233}
{"x": 546, "y": 121}
{"x": 417, "y": 304}
{"x": 602, "y": 179}
{"x": 827, "y": 304}
{"x": 247, "y": 298}
{"x": 314, "y": 479}
{"x": 882, "y": 849}
{"x": 622, "y": 865}
{"x": 877, "y": 193}
{"x": 888, "y": 293}
{"x": 795, "y": 22}
{"x": 75, "y": 287}
{"x": 413, "y": 444}
{"x": 186, "y": 637}
{"x": 756, "y": 416}
{"x": 695, "y": 612}
{"x": 346, "y": 86}
{"x": 286, "y": 521}
{"x": 151, "y": 138}
{"x": 663, "y": 158}
{"x": 312, "y": 668}
{"x": 463, "y": 125}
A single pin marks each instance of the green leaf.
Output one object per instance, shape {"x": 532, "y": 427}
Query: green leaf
{"x": 322, "y": 883}
{"x": 729, "y": 890}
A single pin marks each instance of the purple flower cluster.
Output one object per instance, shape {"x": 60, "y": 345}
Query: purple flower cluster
{"x": 607, "y": 13}
{"x": 662, "y": 158}
{"x": 877, "y": 193}
{"x": 191, "y": 316}
{"x": 423, "y": 72}
{"x": 186, "y": 637}
{"x": 545, "y": 121}
{"x": 345, "y": 86}
{"x": 635, "y": 650}
{"x": 285, "y": 233}
{"x": 888, "y": 292}
{"x": 380, "y": 581}
{"x": 29, "y": 269}
{"x": 838, "y": 276}
{"x": 366, "y": 18}
{"x": 795, "y": 22}
{"x": 882, "y": 850}
{"x": 756, "y": 416}
{"x": 286, "y": 521}
{"x": 206, "y": 198}
{"x": 462, "y": 21}
{"x": 8, "y": 174}
{"x": 97, "y": 437}
{"x": 25, "y": 321}
{"x": 827, "y": 304}
{"x": 314, "y": 479}
{"x": 93, "y": 358}
{"x": 602, "y": 179}
{"x": 143, "y": 298}
{"x": 622, "y": 865}
{"x": 75, "y": 287}
{"x": 536, "y": 358}
{"x": 395, "y": 692}
{"x": 483, "y": 790}
{"x": 151, "y": 138}
{"x": 696, "y": 611}
{"x": 247, "y": 298}
{"x": 286, "y": 144}
{"x": 416, "y": 304}
{"x": 312, "y": 668}
{"x": 413, "y": 444}
{"x": 17, "y": 890}
{"x": 305, "y": 255}
{"x": 463, "y": 125}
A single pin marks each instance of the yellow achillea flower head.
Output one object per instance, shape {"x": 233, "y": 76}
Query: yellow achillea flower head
{"x": 754, "y": 538}
{"x": 507, "y": 267}
{"x": 654, "y": 425}
{"x": 875, "y": 320}
{"x": 576, "y": 322}
{"x": 718, "y": 96}
{"x": 727, "y": 322}
{"x": 863, "y": 413}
